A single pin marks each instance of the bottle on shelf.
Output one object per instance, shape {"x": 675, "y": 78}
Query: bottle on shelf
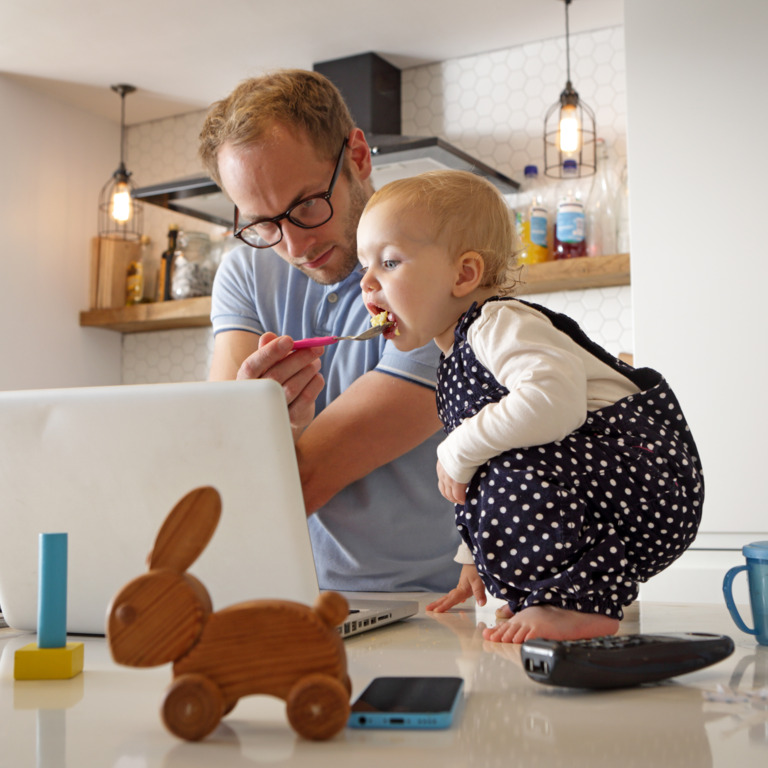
{"x": 134, "y": 284}
{"x": 601, "y": 207}
{"x": 570, "y": 224}
{"x": 532, "y": 219}
{"x": 622, "y": 213}
{"x": 166, "y": 265}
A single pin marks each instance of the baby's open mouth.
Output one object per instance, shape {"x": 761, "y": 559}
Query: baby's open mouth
{"x": 381, "y": 316}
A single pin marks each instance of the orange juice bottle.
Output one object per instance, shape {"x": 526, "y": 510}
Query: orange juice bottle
{"x": 532, "y": 219}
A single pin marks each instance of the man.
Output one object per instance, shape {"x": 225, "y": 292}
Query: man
{"x": 285, "y": 149}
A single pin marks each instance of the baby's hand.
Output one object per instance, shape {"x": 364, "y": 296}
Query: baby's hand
{"x": 450, "y": 488}
{"x": 470, "y": 584}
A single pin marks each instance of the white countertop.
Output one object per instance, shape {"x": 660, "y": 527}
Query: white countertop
{"x": 109, "y": 715}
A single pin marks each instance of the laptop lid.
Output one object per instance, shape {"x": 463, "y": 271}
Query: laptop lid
{"x": 107, "y": 464}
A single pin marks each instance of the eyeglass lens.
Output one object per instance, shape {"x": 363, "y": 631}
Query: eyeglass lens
{"x": 307, "y": 214}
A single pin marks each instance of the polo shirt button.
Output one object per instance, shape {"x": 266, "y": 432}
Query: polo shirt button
{"x": 333, "y": 298}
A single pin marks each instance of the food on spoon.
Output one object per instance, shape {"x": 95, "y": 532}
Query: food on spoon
{"x": 383, "y": 319}
{"x": 380, "y": 319}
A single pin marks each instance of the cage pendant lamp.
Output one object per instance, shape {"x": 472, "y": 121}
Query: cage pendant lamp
{"x": 120, "y": 216}
{"x": 569, "y": 126}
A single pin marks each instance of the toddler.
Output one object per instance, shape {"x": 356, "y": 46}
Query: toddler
{"x": 574, "y": 475}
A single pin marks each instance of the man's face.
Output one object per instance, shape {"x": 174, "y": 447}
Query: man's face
{"x": 266, "y": 179}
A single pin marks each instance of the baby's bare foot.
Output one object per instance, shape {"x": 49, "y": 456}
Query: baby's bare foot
{"x": 552, "y": 623}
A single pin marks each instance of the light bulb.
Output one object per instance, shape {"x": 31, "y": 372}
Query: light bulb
{"x": 121, "y": 208}
{"x": 570, "y": 129}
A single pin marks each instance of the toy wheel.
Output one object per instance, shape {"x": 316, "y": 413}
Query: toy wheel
{"x": 318, "y": 707}
{"x": 193, "y": 707}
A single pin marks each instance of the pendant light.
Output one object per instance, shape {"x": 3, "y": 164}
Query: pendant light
{"x": 120, "y": 216}
{"x": 569, "y": 126}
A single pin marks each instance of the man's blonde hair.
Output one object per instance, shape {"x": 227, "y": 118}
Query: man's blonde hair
{"x": 302, "y": 101}
{"x": 465, "y": 213}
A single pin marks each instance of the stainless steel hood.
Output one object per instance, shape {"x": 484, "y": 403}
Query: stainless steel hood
{"x": 371, "y": 87}
{"x": 198, "y": 196}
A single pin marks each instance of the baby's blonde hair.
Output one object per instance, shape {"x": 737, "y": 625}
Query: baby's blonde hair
{"x": 466, "y": 213}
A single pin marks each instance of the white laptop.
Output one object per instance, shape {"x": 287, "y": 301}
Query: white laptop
{"x": 106, "y": 464}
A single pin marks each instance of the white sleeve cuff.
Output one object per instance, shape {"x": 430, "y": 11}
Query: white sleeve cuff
{"x": 464, "y": 555}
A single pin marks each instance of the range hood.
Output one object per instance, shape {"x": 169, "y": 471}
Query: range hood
{"x": 371, "y": 87}
{"x": 198, "y": 196}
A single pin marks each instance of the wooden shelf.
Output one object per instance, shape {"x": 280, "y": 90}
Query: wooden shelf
{"x": 567, "y": 275}
{"x": 574, "y": 274}
{"x": 159, "y": 316}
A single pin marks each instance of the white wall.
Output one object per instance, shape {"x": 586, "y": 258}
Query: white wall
{"x": 697, "y": 115}
{"x": 53, "y": 160}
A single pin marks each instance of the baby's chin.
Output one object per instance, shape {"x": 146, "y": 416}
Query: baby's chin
{"x": 406, "y": 343}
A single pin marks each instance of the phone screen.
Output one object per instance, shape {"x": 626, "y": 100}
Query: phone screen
{"x": 407, "y": 702}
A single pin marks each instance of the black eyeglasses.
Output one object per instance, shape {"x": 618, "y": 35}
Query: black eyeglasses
{"x": 311, "y": 212}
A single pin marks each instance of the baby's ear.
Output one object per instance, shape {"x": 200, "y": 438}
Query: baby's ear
{"x": 469, "y": 273}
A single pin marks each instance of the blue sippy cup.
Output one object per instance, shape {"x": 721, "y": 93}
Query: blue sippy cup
{"x": 757, "y": 576}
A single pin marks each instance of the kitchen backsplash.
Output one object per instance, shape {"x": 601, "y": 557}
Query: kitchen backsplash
{"x": 491, "y": 105}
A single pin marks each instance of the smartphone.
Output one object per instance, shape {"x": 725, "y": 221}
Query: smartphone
{"x": 407, "y": 702}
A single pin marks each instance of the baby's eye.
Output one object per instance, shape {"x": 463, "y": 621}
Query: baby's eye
{"x": 389, "y": 263}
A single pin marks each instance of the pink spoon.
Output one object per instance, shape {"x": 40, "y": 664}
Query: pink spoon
{"x": 324, "y": 341}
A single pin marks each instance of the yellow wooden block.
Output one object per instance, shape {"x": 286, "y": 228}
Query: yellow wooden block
{"x": 34, "y": 663}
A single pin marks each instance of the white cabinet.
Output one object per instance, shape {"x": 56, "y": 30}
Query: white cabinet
{"x": 699, "y": 243}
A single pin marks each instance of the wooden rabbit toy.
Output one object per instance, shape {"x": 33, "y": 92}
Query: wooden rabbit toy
{"x": 274, "y": 647}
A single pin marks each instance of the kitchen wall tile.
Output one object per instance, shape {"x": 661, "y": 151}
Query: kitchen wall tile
{"x": 491, "y": 105}
{"x": 483, "y": 101}
{"x": 163, "y": 356}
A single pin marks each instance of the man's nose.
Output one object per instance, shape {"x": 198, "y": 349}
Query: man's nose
{"x": 297, "y": 239}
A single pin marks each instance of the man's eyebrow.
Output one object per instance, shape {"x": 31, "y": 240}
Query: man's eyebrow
{"x": 303, "y": 195}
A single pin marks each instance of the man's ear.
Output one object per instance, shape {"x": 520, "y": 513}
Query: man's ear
{"x": 359, "y": 153}
{"x": 469, "y": 273}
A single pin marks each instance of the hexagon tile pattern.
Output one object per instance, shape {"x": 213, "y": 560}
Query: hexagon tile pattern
{"x": 165, "y": 356}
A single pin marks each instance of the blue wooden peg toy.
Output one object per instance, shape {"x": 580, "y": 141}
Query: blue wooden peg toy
{"x": 51, "y": 657}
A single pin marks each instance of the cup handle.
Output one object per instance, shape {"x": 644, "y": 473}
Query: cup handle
{"x": 728, "y": 594}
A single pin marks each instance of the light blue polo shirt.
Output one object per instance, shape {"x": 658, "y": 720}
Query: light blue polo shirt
{"x": 392, "y": 530}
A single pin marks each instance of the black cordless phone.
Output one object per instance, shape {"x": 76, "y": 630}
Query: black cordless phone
{"x": 620, "y": 661}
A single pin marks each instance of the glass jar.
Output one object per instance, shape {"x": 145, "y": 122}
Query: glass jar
{"x": 193, "y": 268}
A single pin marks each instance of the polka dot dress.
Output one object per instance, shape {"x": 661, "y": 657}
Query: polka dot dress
{"x": 580, "y": 522}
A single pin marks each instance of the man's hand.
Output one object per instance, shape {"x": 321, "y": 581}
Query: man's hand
{"x": 297, "y": 372}
{"x": 469, "y": 584}
{"x": 245, "y": 355}
{"x": 450, "y": 488}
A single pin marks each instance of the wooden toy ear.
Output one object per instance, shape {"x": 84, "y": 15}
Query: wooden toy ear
{"x": 187, "y": 530}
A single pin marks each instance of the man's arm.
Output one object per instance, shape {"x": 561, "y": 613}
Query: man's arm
{"x": 230, "y": 348}
{"x": 377, "y": 419}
